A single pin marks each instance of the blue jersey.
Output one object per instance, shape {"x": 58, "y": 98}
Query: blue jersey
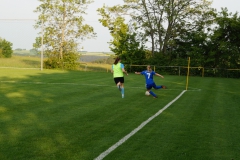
{"x": 148, "y": 76}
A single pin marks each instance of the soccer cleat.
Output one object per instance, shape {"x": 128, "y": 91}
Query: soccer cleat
{"x": 122, "y": 95}
{"x": 164, "y": 87}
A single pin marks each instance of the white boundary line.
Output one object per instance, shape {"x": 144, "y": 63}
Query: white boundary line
{"x": 98, "y": 85}
{"x": 113, "y": 147}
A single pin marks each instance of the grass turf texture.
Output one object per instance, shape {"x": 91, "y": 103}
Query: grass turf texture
{"x": 58, "y": 115}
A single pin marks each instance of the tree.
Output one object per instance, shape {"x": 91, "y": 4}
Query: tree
{"x": 33, "y": 51}
{"x": 125, "y": 42}
{"x": 5, "y": 48}
{"x": 62, "y": 23}
{"x": 115, "y": 23}
{"x": 224, "y": 47}
{"x": 164, "y": 20}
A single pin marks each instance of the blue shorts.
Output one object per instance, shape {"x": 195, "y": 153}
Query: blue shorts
{"x": 150, "y": 86}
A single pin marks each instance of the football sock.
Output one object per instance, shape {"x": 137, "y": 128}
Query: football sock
{"x": 158, "y": 87}
{"x": 122, "y": 91}
{"x": 153, "y": 94}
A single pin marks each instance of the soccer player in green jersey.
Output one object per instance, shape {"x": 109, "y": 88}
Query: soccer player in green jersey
{"x": 118, "y": 74}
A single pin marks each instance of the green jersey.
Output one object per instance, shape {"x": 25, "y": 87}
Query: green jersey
{"x": 117, "y": 70}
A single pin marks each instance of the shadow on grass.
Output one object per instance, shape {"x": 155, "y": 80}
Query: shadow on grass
{"x": 34, "y": 63}
{"x": 46, "y": 115}
{"x": 58, "y": 115}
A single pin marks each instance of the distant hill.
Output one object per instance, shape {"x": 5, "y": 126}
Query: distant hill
{"x": 84, "y": 55}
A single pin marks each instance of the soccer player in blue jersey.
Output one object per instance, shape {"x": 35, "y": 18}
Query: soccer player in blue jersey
{"x": 149, "y": 80}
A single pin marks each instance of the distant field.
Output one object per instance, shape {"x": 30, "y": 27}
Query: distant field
{"x": 21, "y": 62}
{"x": 91, "y": 57}
{"x": 86, "y": 62}
{"x": 85, "y": 56}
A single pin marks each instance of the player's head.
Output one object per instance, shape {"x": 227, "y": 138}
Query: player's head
{"x": 117, "y": 60}
{"x": 149, "y": 68}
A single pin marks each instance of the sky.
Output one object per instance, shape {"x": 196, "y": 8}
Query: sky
{"x": 17, "y": 19}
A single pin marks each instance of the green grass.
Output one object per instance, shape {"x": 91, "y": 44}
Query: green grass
{"x": 21, "y": 62}
{"x": 59, "y": 115}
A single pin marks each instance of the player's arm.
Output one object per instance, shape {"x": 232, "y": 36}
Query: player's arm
{"x": 137, "y": 72}
{"x": 112, "y": 69}
{"x": 159, "y": 75}
{"x": 124, "y": 71}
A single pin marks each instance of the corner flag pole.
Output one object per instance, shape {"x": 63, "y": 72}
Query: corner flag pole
{"x": 188, "y": 72}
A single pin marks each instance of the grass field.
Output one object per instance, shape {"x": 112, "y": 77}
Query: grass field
{"x": 59, "y": 115}
{"x": 20, "y": 62}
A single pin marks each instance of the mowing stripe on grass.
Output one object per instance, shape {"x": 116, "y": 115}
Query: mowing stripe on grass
{"x": 97, "y": 85}
{"x": 121, "y": 141}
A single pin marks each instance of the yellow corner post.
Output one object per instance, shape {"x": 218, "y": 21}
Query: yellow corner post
{"x": 188, "y": 72}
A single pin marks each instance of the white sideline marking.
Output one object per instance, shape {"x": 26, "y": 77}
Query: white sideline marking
{"x": 193, "y": 89}
{"x": 113, "y": 147}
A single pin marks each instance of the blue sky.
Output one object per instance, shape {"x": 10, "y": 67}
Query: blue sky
{"x": 22, "y": 34}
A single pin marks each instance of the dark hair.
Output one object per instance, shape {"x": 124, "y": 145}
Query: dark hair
{"x": 117, "y": 60}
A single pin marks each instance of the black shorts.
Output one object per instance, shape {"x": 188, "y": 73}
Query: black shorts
{"x": 119, "y": 79}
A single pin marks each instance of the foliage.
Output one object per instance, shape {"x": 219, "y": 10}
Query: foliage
{"x": 5, "y": 49}
{"x": 62, "y": 24}
{"x": 20, "y": 49}
{"x": 192, "y": 44}
{"x": 161, "y": 22}
{"x": 125, "y": 42}
{"x": 130, "y": 50}
{"x": 33, "y": 51}
{"x": 224, "y": 47}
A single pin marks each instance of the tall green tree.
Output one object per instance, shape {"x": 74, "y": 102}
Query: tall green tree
{"x": 125, "y": 42}
{"x": 224, "y": 46}
{"x": 5, "y": 48}
{"x": 63, "y": 26}
{"x": 161, "y": 21}
{"x": 111, "y": 18}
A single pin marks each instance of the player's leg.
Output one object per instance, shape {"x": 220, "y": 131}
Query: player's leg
{"x": 122, "y": 86}
{"x": 158, "y": 87}
{"x": 149, "y": 87}
{"x": 117, "y": 82}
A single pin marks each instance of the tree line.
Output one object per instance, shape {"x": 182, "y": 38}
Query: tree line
{"x": 156, "y": 32}
{"x": 166, "y": 32}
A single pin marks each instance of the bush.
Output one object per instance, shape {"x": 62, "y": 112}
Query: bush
{"x": 6, "y": 48}
{"x": 69, "y": 62}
